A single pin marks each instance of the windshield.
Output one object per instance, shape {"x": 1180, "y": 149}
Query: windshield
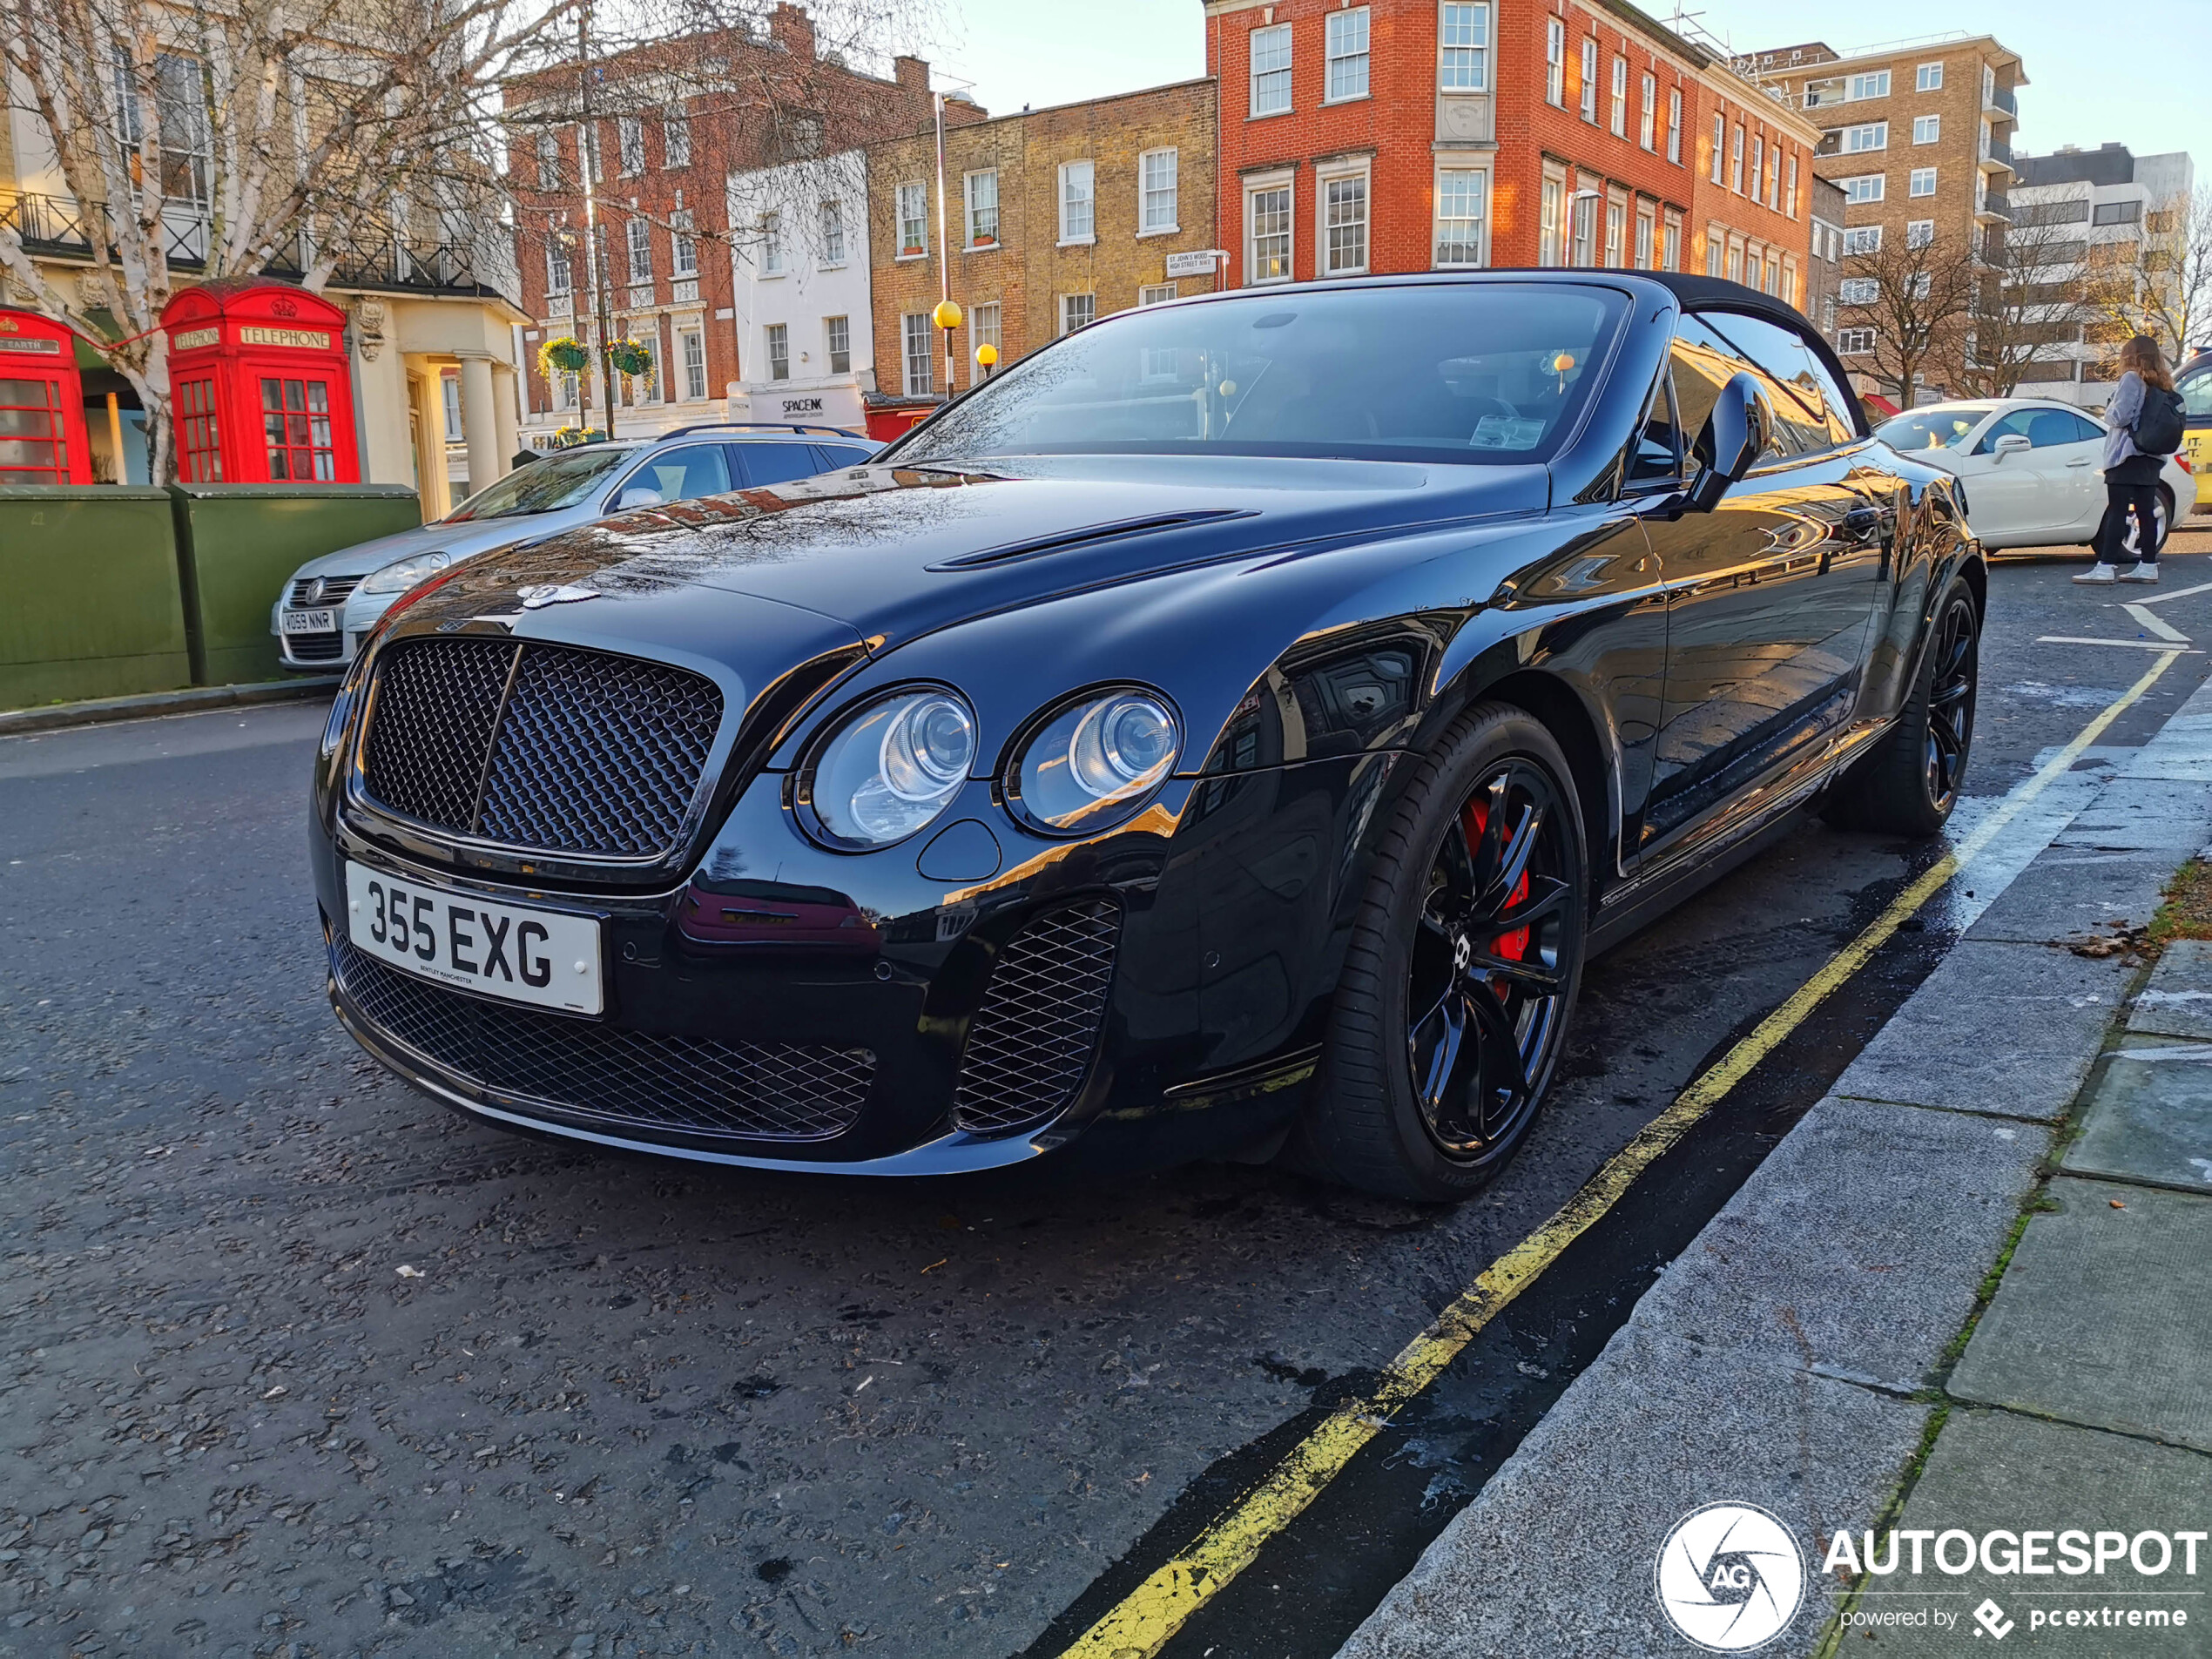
{"x": 544, "y": 486}
{"x": 1932, "y": 428}
{"x": 1453, "y": 372}
{"x": 2196, "y": 387}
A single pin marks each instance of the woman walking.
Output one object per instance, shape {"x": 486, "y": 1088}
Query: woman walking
{"x": 2131, "y": 475}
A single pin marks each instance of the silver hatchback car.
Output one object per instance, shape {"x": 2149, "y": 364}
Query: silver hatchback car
{"x": 331, "y": 602}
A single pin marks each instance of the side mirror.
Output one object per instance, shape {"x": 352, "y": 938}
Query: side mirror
{"x": 638, "y": 495}
{"x": 1734, "y": 437}
{"x": 2011, "y": 444}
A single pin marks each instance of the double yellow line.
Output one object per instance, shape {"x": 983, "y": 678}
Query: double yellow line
{"x": 1143, "y": 1621}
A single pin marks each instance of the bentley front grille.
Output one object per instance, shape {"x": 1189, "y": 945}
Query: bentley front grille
{"x": 1031, "y": 1042}
{"x": 543, "y": 747}
{"x": 611, "y": 1077}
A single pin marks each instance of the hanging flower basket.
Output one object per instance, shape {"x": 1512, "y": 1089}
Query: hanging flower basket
{"x": 631, "y": 357}
{"x": 564, "y": 355}
{"x": 569, "y": 437}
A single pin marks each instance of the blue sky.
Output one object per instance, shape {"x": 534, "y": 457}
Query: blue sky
{"x": 2084, "y": 83}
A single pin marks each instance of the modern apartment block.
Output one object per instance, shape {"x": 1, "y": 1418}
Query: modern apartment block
{"x": 2084, "y": 211}
{"x": 1051, "y": 218}
{"x": 671, "y": 122}
{"x": 1918, "y": 135}
{"x": 1415, "y": 135}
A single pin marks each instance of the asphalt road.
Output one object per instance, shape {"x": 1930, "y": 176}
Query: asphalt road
{"x": 295, "y": 1359}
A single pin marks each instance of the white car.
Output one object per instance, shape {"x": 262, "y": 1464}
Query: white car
{"x": 2033, "y": 468}
{"x": 326, "y": 611}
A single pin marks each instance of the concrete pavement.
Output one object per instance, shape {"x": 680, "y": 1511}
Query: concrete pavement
{"x": 1804, "y": 1355}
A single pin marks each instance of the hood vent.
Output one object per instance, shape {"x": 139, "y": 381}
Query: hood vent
{"x": 1108, "y": 532}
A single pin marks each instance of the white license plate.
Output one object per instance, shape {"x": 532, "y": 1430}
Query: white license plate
{"x": 309, "y": 622}
{"x": 519, "y": 954}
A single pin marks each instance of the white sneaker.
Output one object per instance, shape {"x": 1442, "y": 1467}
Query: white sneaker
{"x": 2100, "y": 574}
{"x": 2140, "y": 573}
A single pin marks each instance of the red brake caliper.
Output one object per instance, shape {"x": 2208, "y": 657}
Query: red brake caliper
{"x": 1513, "y": 947}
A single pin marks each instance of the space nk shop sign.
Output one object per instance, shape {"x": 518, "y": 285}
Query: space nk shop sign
{"x": 263, "y": 393}
{"x": 837, "y": 405}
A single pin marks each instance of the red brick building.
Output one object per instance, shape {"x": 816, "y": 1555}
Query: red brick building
{"x": 1413, "y": 135}
{"x": 673, "y": 120}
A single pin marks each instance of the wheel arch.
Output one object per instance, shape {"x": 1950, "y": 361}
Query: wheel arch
{"x": 1975, "y": 569}
{"x": 1554, "y": 704}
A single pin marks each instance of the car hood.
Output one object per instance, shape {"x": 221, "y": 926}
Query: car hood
{"x": 463, "y": 540}
{"x": 895, "y": 552}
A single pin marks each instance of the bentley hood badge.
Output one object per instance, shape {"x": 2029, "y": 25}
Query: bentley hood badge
{"x": 537, "y": 595}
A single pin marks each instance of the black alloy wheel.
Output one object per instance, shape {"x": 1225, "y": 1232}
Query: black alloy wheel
{"x": 1910, "y": 780}
{"x": 1949, "y": 727}
{"x": 1484, "y": 997}
{"x": 1459, "y": 979}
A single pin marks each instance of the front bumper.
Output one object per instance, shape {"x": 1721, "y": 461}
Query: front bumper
{"x": 330, "y": 651}
{"x": 1227, "y": 900}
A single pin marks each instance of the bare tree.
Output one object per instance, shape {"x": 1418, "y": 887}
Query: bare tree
{"x": 219, "y": 140}
{"x": 1917, "y": 296}
{"x": 2032, "y": 294}
{"x": 2159, "y": 282}
{"x": 767, "y": 101}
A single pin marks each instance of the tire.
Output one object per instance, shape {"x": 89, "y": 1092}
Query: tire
{"x": 1910, "y": 783}
{"x": 1431, "y": 1107}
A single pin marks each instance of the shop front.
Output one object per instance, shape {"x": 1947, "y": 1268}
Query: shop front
{"x": 261, "y": 390}
{"x": 42, "y": 439}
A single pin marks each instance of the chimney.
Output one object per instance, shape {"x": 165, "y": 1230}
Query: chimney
{"x": 793, "y": 29}
{"x": 911, "y": 73}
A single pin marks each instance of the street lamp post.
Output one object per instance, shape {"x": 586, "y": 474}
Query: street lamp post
{"x": 947, "y": 316}
{"x": 1575, "y": 199}
{"x": 944, "y": 255}
{"x": 587, "y": 157}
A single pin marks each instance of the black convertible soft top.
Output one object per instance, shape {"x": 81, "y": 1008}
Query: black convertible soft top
{"x": 1717, "y": 293}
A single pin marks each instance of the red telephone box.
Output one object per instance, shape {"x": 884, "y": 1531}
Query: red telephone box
{"x": 260, "y": 385}
{"x": 42, "y": 403}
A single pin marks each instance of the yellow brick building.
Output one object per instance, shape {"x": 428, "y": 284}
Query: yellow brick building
{"x": 1054, "y": 217}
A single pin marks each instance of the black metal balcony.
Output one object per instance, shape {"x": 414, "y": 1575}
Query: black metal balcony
{"x": 60, "y": 229}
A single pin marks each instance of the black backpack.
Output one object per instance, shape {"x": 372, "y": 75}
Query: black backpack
{"x": 2157, "y": 428}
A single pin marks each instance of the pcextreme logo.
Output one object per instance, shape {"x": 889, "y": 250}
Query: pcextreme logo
{"x": 1731, "y": 1577}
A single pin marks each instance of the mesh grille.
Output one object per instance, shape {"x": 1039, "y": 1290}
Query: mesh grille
{"x": 315, "y": 648}
{"x": 1031, "y": 1041}
{"x": 591, "y": 753}
{"x": 776, "y": 1091}
{"x": 435, "y": 703}
{"x": 597, "y": 754}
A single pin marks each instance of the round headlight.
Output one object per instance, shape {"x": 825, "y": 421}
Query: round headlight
{"x": 1095, "y": 761}
{"x": 402, "y": 574}
{"x": 891, "y": 768}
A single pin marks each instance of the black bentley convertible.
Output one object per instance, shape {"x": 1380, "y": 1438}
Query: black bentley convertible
{"x": 1229, "y": 731}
